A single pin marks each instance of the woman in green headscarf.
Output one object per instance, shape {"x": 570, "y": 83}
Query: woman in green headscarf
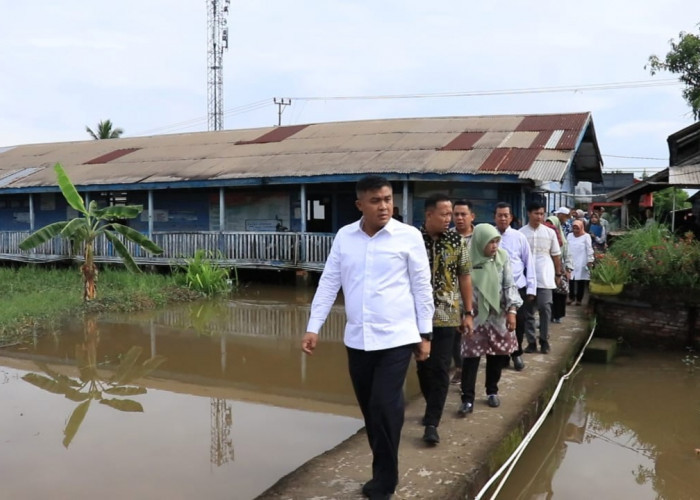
{"x": 496, "y": 301}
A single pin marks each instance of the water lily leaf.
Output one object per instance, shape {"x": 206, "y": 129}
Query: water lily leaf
{"x": 74, "y": 422}
{"x": 123, "y": 404}
{"x": 125, "y": 391}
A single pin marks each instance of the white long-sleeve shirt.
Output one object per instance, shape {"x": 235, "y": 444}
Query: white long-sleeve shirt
{"x": 581, "y": 253}
{"x": 521, "y": 262}
{"x": 386, "y": 284}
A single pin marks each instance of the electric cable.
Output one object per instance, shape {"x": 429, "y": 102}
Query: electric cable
{"x": 515, "y": 456}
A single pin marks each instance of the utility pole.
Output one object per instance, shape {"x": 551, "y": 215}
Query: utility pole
{"x": 281, "y": 102}
{"x": 217, "y": 10}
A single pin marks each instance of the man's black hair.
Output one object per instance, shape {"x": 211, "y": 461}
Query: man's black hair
{"x": 534, "y": 205}
{"x": 432, "y": 200}
{"x": 465, "y": 203}
{"x": 503, "y": 204}
{"x": 371, "y": 183}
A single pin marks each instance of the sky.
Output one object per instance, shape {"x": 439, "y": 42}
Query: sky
{"x": 143, "y": 64}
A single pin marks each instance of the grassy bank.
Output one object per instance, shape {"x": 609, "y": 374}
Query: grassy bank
{"x": 41, "y": 296}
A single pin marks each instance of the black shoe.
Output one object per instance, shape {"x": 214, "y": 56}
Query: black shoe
{"x": 544, "y": 347}
{"x": 530, "y": 348}
{"x": 465, "y": 409}
{"x": 431, "y": 435}
{"x": 371, "y": 486}
{"x": 518, "y": 363}
{"x": 494, "y": 402}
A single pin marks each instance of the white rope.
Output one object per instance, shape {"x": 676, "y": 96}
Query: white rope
{"x": 513, "y": 459}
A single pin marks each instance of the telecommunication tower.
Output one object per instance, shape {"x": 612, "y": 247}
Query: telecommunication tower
{"x": 217, "y": 10}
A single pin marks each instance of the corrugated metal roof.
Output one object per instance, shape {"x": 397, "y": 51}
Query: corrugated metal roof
{"x": 525, "y": 146}
{"x": 687, "y": 175}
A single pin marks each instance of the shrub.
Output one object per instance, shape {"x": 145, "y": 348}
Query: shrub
{"x": 203, "y": 274}
{"x": 656, "y": 258}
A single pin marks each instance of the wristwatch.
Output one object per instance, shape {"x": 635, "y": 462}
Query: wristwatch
{"x": 468, "y": 312}
{"x": 427, "y": 336}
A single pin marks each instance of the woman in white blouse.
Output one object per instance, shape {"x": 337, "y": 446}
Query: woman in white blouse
{"x": 581, "y": 253}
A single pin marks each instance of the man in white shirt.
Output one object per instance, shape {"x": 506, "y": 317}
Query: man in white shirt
{"x": 547, "y": 254}
{"x": 524, "y": 273}
{"x": 382, "y": 267}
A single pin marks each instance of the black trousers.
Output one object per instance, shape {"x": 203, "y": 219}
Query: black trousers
{"x": 520, "y": 323}
{"x": 558, "y": 305}
{"x": 470, "y": 367}
{"x": 577, "y": 288}
{"x": 378, "y": 378}
{"x": 457, "y": 349}
{"x": 434, "y": 373}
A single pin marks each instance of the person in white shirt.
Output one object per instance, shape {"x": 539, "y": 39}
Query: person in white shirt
{"x": 382, "y": 267}
{"x": 547, "y": 254}
{"x": 523, "y": 267}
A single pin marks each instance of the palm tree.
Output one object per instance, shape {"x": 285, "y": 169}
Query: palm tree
{"x": 105, "y": 131}
{"x": 90, "y": 224}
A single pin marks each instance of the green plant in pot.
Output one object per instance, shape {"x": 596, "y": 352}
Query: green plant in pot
{"x": 609, "y": 274}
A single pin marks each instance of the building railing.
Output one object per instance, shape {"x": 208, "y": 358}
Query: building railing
{"x": 241, "y": 249}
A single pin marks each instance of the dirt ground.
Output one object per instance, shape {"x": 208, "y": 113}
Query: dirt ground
{"x": 470, "y": 449}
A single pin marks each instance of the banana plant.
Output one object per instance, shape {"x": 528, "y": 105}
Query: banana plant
{"x": 92, "y": 222}
{"x": 93, "y": 384}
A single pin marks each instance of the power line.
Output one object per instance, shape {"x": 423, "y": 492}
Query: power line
{"x": 478, "y": 93}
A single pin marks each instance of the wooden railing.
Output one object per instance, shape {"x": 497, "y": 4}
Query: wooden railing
{"x": 241, "y": 249}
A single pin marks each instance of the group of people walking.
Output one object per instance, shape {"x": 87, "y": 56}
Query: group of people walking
{"x": 436, "y": 293}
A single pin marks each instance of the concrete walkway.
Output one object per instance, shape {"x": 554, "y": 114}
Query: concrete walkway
{"x": 470, "y": 449}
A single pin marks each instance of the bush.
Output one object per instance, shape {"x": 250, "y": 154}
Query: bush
{"x": 656, "y": 258}
{"x": 202, "y": 274}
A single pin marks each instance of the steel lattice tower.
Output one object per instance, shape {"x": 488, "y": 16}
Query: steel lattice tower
{"x": 217, "y": 10}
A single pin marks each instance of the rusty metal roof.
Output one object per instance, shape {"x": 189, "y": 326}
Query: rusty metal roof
{"x": 526, "y": 147}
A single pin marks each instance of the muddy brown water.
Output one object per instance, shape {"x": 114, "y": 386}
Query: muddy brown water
{"x": 629, "y": 430}
{"x": 233, "y": 406}
{"x": 230, "y": 406}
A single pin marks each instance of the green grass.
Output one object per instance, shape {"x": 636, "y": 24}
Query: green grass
{"x": 41, "y": 297}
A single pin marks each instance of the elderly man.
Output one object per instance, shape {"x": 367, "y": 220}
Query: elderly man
{"x": 564, "y": 216}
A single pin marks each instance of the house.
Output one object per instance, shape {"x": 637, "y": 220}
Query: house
{"x": 683, "y": 172}
{"x": 273, "y": 187}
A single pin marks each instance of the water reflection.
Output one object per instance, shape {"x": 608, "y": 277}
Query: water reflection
{"x": 624, "y": 431}
{"x": 234, "y": 379}
{"x": 95, "y": 383}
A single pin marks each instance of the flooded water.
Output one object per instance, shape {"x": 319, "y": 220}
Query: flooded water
{"x": 210, "y": 400}
{"x": 630, "y": 430}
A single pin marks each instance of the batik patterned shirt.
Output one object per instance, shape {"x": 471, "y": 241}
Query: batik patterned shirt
{"x": 449, "y": 259}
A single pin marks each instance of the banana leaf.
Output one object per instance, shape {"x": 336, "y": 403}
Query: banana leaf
{"x": 74, "y": 422}
{"x": 55, "y": 375}
{"x": 68, "y": 189}
{"x": 126, "y": 257}
{"x": 148, "y": 366}
{"x": 42, "y": 235}
{"x": 46, "y": 383}
{"x": 126, "y": 370}
{"x": 138, "y": 238}
{"x": 123, "y": 404}
{"x": 118, "y": 212}
{"x": 76, "y": 229}
{"x": 125, "y": 391}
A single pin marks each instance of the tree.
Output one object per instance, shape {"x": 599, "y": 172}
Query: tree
{"x": 105, "y": 131}
{"x": 683, "y": 59}
{"x": 91, "y": 223}
{"x": 664, "y": 201}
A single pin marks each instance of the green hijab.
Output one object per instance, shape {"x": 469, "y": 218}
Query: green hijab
{"x": 486, "y": 270}
{"x": 557, "y": 224}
